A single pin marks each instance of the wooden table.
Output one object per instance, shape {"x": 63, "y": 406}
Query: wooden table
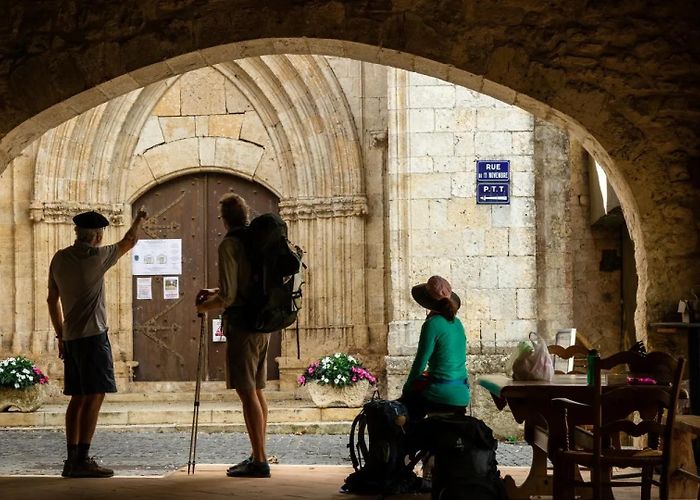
{"x": 531, "y": 404}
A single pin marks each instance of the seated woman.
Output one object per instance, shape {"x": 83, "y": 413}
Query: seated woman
{"x": 438, "y": 377}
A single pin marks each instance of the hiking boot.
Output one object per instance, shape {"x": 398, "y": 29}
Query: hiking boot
{"x": 67, "y": 468}
{"x": 89, "y": 468}
{"x": 240, "y": 464}
{"x": 251, "y": 469}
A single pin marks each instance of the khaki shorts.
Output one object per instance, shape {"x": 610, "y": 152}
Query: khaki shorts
{"x": 246, "y": 358}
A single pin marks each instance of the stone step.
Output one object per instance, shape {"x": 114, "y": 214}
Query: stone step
{"x": 183, "y": 391}
{"x": 296, "y": 416}
{"x": 164, "y": 397}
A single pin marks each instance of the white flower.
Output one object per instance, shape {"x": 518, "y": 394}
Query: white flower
{"x": 350, "y": 358}
{"x": 24, "y": 370}
{"x": 336, "y": 355}
{"x": 16, "y": 385}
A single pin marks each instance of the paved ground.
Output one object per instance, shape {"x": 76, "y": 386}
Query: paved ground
{"x": 153, "y": 453}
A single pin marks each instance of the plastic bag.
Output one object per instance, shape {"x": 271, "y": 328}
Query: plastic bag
{"x": 532, "y": 361}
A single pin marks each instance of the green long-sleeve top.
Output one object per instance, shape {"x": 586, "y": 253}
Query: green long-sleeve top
{"x": 442, "y": 348}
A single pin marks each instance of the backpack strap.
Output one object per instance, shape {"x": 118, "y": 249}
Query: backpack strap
{"x": 298, "y": 344}
{"x": 358, "y": 450}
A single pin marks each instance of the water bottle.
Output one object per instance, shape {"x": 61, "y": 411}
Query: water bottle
{"x": 592, "y": 361}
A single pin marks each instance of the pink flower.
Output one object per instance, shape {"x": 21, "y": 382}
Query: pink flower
{"x": 301, "y": 380}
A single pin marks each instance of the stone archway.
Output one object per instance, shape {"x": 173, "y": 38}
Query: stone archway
{"x": 110, "y": 155}
{"x": 625, "y": 97}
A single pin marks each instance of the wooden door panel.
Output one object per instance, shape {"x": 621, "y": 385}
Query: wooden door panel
{"x": 166, "y": 332}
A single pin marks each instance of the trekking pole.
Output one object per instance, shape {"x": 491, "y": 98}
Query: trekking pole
{"x": 197, "y": 388}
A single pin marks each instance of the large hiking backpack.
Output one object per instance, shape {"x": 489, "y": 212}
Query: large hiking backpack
{"x": 276, "y": 267}
{"x": 465, "y": 458}
{"x": 380, "y": 467}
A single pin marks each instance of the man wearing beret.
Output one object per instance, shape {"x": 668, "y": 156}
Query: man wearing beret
{"x": 76, "y": 302}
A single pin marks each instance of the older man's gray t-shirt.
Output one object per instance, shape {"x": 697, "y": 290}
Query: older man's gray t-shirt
{"x": 77, "y": 272}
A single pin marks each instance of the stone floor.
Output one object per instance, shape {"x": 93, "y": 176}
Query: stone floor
{"x": 143, "y": 453}
{"x": 313, "y": 482}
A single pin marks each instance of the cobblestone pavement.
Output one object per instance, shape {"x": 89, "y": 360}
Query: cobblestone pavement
{"x": 154, "y": 453}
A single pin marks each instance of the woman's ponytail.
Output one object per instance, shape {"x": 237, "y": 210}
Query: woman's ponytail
{"x": 447, "y": 308}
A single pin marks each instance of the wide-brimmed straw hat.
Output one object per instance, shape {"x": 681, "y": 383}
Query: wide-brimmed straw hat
{"x": 431, "y": 293}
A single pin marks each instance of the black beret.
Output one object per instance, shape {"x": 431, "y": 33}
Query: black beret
{"x": 90, "y": 220}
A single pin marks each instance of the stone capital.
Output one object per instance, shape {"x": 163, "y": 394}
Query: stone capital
{"x": 323, "y": 207}
{"x": 62, "y": 212}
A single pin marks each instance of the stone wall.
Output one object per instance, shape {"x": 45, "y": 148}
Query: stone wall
{"x": 437, "y": 132}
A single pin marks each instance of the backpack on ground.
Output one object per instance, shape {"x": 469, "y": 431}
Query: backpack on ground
{"x": 276, "y": 280}
{"x": 380, "y": 466}
{"x": 465, "y": 458}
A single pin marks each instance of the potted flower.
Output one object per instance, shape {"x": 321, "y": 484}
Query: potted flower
{"x": 20, "y": 384}
{"x": 337, "y": 380}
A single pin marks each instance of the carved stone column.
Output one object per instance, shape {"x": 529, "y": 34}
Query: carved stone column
{"x": 331, "y": 232}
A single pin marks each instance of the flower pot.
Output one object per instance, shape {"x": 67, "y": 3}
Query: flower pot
{"x": 325, "y": 396}
{"x": 25, "y": 400}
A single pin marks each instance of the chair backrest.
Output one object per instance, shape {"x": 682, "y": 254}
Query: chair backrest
{"x": 561, "y": 352}
{"x": 655, "y": 403}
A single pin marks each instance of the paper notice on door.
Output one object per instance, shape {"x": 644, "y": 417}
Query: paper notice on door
{"x": 217, "y": 331}
{"x": 171, "y": 287}
{"x": 157, "y": 257}
{"x": 144, "y": 289}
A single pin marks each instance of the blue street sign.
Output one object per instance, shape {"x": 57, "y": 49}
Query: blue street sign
{"x": 492, "y": 170}
{"x": 492, "y": 193}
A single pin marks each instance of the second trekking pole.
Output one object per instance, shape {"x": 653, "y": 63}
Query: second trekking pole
{"x": 197, "y": 388}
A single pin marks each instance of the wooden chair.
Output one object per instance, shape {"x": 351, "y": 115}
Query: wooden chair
{"x": 609, "y": 413}
{"x": 573, "y": 351}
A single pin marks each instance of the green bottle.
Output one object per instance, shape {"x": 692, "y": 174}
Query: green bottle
{"x": 592, "y": 361}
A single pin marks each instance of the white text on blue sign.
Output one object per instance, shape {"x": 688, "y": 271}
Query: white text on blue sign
{"x": 493, "y": 170}
{"x": 492, "y": 193}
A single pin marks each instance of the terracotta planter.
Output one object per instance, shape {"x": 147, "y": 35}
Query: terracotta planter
{"x": 25, "y": 400}
{"x": 325, "y": 396}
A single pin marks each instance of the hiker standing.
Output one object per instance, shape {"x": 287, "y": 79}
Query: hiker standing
{"x": 76, "y": 302}
{"x": 246, "y": 350}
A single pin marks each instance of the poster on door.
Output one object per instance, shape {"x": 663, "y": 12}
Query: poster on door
{"x": 144, "y": 289}
{"x": 217, "y": 331}
{"x": 171, "y": 288}
{"x": 157, "y": 257}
